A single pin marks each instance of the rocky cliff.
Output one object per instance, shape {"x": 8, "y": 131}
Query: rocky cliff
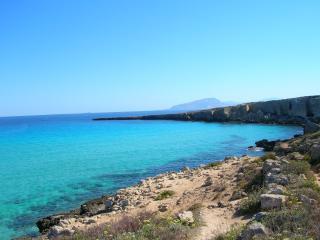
{"x": 303, "y": 111}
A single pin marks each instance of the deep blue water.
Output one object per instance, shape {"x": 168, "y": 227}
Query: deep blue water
{"x": 50, "y": 164}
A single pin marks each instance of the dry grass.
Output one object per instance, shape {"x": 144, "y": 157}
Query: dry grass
{"x": 164, "y": 194}
{"x": 143, "y": 226}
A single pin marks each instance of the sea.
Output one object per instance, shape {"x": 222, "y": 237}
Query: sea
{"x": 51, "y": 164}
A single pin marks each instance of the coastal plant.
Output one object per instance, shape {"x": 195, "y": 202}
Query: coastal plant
{"x": 251, "y": 204}
{"x": 159, "y": 228}
{"x": 269, "y": 155}
{"x": 297, "y": 222}
{"x": 232, "y": 234}
{"x": 213, "y": 164}
{"x": 297, "y": 167}
{"x": 164, "y": 195}
{"x": 253, "y": 179}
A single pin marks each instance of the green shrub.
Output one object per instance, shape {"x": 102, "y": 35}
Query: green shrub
{"x": 253, "y": 177}
{"x": 213, "y": 164}
{"x": 159, "y": 229}
{"x": 252, "y": 204}
{"x": 307, "y": 158}
{"x": 164, "y": 194}
{"x": 297, "y": 167}
{"x": 233, "y": 234}
{"x": 315, "y": 135}
{"x": 140, "y": 227}
{"x": 269, "y": 155}
{"x": 293, "y": 222}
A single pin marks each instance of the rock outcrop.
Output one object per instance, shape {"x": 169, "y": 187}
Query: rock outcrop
{"x": 304, "y": 111}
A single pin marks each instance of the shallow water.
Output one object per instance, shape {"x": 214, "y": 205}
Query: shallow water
{"x": 50, "y": 164}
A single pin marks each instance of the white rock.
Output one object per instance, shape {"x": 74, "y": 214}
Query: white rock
{"x": 272, "y": 201}
{"x": 56, "y": 231}
{"x": 186, "y": 217}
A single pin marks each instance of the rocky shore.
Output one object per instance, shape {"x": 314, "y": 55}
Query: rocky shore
{"x": 276, "y": 196}
{"x": 237, "y": 193}
{"x": 304, "y": 111}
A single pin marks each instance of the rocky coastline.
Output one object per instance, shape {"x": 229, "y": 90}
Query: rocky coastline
{"x": 220, "y": 189}
{"x": 304, "y": 111}
{"x": 238, "y": 191}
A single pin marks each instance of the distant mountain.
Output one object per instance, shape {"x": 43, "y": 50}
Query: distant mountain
{"x": 206, "y": 103}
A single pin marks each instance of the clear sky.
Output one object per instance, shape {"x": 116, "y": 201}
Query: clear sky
{"x": 73, "y": 56}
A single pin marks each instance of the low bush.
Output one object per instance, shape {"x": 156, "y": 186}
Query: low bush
{"x": 230, "y": 235}
{"x": 160, "y": 229}
{"x": 269, "y": 155}
{"x": 252, "y": 204}
{"x": 144, "y": 226}
{"x": 297, "y": 167}
{"x": 298, "y": 222}
{"x": 213, "y": 164}
{"x": 164, "y": 194}
{"x": 253, "y": 177}
{"x": 315, "y": 135}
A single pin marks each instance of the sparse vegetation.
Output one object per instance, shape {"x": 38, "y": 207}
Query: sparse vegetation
{"x": 195, "y": 207}
{"x": 251, "y": 204}
{"x": 296, "y": 167}
{"x": 164, "y": 194}
{"x": 315, "y": 135}
{"x": 144, "y": 226}
{"x": 253, "y": 178}
{"x": 213, "y": 164}
{"x": 231, "y": 235}
{"x": 269, "y": 155}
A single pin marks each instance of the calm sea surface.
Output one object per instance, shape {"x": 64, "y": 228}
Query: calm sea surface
{"x": 50, "y": 164}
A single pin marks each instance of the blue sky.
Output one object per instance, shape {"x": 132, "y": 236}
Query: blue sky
{"x": 75, "y": 56}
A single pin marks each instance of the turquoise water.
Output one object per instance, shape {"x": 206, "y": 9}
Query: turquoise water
{"x": 50, "y": 164}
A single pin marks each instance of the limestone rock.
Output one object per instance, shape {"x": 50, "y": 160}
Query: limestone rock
{"x": 307, "y": 200}
{"x": 186, "y": 217}
{"x": 254, "y": 230}
{"x": 276, "y": 189}
{"x": 207, "y": 182}
{"x": 272, "y": 201}
{"x": 269, "y": 164}
{"x": 259, "y": 216}
{"x": 56, "y": 231}
{"x": 315, "y": 152}
{"x": 163, "y": 207}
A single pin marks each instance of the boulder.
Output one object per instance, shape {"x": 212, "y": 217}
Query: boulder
{"x": 276, "y": 189}
{"x": 296, "y": 156}
{"x": 108, "y": 205}
{"x": 308, "y": 201}
{"x": 163, "y": 207}
{"x": 207, "y": 182}
{"x": 46, "y": 223}
{"x": 237, "y": 195}
{"x": 186, "y": 217}
{"x": 276, "y": 179}
{"x": 266, "y": 145}
{"x": 315, "y": 153}
{"x": 93, "y": 207}
{"x": 56, "y": 231}
{"x": 269, "y": 164}
{"x": 259, "y": 216}
{"x": 254, "y": 230}
{"x": 124, "y": 203}
{"x": 272, "y": 201}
